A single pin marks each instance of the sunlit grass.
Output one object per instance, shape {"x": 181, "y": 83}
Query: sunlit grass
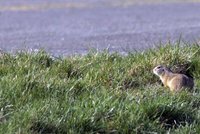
{"x": 98, "y": 93}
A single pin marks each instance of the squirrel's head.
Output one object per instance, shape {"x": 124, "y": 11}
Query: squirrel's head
{"x": 160, "y": 70}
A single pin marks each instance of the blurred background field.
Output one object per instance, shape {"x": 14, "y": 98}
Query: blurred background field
{"x": 67, "y": 27}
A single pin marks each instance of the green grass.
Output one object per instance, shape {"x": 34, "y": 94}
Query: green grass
{"x": 98, "y": 93}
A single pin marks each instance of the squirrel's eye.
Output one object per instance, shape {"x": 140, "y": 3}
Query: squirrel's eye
{"x": 159, "y": 67}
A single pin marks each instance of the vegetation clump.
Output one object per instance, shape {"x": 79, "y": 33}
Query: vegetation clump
{"x": 98, "y": 93}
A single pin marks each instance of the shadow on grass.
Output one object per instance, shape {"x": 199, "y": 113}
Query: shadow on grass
{"x": 129, "y": 83}
{"x": 45, "y": 128}
{"x": 185, "y": 68}
{"x": 68, "y": 70}
{"x": 170, "y": 117}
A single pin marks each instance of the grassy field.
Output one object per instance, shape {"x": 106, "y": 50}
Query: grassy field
{"x": 98, "y": 93}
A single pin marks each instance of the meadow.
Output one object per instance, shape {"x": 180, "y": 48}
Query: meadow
{"x": 100, "y": 92}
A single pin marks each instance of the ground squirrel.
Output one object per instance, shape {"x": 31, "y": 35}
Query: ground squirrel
{"x": 174, "y": 81}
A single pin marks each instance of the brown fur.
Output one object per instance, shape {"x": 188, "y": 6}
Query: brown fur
{"x": 174, "y": 81}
